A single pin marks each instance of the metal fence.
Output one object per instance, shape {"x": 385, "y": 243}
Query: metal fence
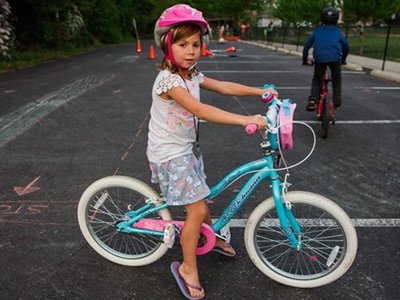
{"x": 381, "y": 43}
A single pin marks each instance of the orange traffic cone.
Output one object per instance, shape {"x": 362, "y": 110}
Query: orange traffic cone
{"x": 231, "y": 49}
{"x": 204, "y": 50}
{"x": 152, "y": 55}
{"x": 139, "y": 47}
{"x": 209, "y": 53}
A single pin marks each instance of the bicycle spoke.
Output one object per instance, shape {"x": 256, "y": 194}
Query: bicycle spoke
{"x": 320, "y": 234}
{"x": 109, "y": 206}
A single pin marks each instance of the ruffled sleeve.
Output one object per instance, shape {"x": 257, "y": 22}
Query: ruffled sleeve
{"x": 200, "y": 77}
{"x": 168, "y": 82}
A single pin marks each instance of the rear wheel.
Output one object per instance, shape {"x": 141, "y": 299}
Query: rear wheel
{"x": 103, "y": 204}
{"x": 325, "y": 118}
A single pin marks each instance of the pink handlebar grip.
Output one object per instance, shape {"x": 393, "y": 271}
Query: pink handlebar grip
{"x": 251, "y": 129}
{"x": 267, "y": 97}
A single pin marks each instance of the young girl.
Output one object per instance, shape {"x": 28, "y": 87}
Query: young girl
{"x": 173, "y": 129}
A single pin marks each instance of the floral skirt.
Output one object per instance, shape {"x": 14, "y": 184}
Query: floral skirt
{"x": 182, "y": 180}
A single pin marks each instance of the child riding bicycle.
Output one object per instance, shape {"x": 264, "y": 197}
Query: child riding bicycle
{"x": 330, "y": 49}
{"x": 173, "y": 128}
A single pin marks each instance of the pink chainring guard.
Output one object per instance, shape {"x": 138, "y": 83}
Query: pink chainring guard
{"x": 159, "y": 225}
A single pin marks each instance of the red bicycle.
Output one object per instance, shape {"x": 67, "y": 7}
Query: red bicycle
{"x": 325, "y": 108}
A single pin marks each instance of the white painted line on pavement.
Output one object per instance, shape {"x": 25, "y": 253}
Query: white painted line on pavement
{"x": 357, "y": 88}
{"x": 293, "y": 88}
{"x": 377, "y": 87}
{"x": 356, "y": 222}
{"x": 267, "y": 71}
{"x": 353, "y": 72}
{"x": 16, "y": 122}
{"x": 347, "y": 122}
{"x": 234, "y": 62}
{"x": 249, "y": 71}
{"x": 357, "y": 122}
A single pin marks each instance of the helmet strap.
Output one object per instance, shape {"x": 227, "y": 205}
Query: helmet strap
{"x": 169, "y": 54}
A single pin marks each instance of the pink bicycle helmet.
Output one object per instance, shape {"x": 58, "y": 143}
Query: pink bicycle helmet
{"x": 175, "y": 15}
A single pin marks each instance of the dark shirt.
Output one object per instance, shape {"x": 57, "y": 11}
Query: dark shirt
{"x": 329, "y": 45}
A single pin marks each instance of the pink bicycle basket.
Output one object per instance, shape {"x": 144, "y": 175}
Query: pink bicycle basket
{"x": 286, "y": 126}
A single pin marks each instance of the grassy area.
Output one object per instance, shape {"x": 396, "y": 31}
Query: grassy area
{"x": 373, "y": 43}
{"x": 22, "y": 59}
{"x": 27, "y": 58}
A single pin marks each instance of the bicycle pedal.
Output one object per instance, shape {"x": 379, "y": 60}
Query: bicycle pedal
{"x": 169, "y": 235}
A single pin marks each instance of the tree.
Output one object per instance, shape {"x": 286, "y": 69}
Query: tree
{"x": 373, "y": 10}
{"x": 296, "y": 11}
{"x": 6, "y": 30}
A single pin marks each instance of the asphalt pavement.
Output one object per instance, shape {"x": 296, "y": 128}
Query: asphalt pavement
{"x": 66, "y": 123}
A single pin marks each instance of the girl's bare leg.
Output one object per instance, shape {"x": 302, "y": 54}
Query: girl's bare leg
{"x": 195, "y": 215}
{"x": 218, "y": 242}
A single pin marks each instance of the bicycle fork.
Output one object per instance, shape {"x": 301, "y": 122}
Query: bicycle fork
{"x": 288, "y": 222}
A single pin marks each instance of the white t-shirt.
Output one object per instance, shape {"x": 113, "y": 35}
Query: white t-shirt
{"x": 171, "y": 127}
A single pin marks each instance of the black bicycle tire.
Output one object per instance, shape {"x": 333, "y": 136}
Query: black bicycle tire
{"x": 325, "y": 116}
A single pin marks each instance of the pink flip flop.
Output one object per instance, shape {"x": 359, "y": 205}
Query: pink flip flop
{"x": 183, "y": 285}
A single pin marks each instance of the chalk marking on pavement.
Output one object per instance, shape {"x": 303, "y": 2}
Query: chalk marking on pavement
{"x": 133, "y": 141}
{"x": 15, "y": 123}
{"x": 127, "y": 59}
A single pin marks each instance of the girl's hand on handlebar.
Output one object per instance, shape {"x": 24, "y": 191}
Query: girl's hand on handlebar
{"x": 258, "y": 120}
{"x": 272, "y": 91}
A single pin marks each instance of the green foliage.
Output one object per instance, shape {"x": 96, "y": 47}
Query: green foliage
{"x": 296, "y": 11}
{"x": 370, "y": 9}
{"x": 105, "y": 22}
{"x": 58, "y": 24}
{"x": 65, "y": 24}
{"x": 6, "y": 30}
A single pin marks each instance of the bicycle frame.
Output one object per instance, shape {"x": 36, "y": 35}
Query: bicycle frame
{"x": 262, "y": 168}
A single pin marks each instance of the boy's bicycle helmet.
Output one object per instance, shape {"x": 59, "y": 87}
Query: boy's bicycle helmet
{"x": 175, "y": 15}
{"x": 329, "y": 15}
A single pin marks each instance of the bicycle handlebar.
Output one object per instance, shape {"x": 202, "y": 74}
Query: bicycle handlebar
{"x": 251, "y": 129}
{"x": 267, "y": 98}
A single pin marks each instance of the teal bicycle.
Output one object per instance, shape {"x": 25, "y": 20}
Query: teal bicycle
{"x": 297, "y": 238}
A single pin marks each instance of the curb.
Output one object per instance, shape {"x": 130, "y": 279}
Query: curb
{"x": 354, "y": 67}
{"x": 386, "y": 75}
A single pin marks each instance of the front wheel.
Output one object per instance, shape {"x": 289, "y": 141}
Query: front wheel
{"x": 328, "y": 238}
{"x": 325, "y": 118}
{"x": 103, "y": 204}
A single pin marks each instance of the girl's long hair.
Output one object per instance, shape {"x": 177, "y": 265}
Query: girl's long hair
{"x": 178, "y": 33}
